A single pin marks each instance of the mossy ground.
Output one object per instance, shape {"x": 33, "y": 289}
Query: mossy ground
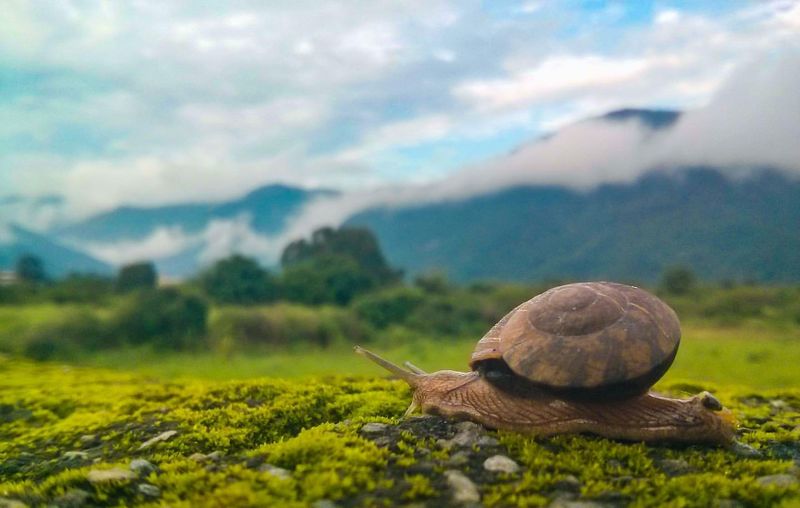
{"x": 59, "y": 423}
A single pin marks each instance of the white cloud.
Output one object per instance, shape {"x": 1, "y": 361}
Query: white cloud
{"x": 163, "y": 242}
{"x": 552, "y": 78}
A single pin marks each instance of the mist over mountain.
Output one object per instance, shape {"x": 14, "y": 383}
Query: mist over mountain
{"x": 736, "y": 229}
{"x": 59, "y": 260}
{"x": 269, "y": 207}
{"x": 599, "y": 199}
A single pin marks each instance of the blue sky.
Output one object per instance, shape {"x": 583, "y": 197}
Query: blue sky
{"x": 149, "y": 102}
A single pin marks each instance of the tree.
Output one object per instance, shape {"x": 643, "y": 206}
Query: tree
{"x": 678, "y": 280}
{"x": 325, "y": 279}
{"x": 136, "y": 276}
{"x": 29, "y": 268}
{"x": 358, "y": 244}
{"x": 239, "y": 280}
{"x": 166, "y": 318}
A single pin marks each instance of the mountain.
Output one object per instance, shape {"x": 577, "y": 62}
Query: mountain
{"x": 653, "y": 118}
{"x": 268, "y": 207}
{"x": 59, "y": 260}
{"x": 722, "y": 228}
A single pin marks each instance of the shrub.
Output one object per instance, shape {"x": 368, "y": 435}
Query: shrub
{"x": 137, "y": 276}
{"x": 325, "y": 279}
{"x": 82, "y": 330}
{"x": 165, "y": 318}
{"x": 678, "y": 280}
{"x": 390, "y": 306}
{"x": 239, "y": 280}
{"x": 286, "y": 325}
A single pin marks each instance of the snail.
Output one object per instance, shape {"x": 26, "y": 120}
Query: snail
{"x": 578, "y": 358}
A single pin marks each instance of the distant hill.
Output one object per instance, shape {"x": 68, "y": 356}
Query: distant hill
{"x": 721, "y": 228}
{"x": 59, "y": 260}
{"x": 268, "y": 206}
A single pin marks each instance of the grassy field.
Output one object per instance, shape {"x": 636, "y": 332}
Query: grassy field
{"x": 750, "y": 356}
{"x": 78, "y": 437}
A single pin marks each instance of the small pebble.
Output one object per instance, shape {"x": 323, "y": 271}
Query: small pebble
{"x": 729, "y": 503}
{"x": 11, "y": 503}
{"x": 488, "y": 441}
{"x": 164, "y": 436}
{"x": 275, "y": 471}
{"x": 73, "y": 498}
{"x": 109, "y": 475}
{"x": 569, "y": 484}
{"x": 778, "y": 480}
{"x": 565, "y": 503}
{"x": 323, "y": 503}
{"x": 458, "y": 459}
{"x": 674, "y": 467}
{"x": 214, "y": 456}
{"x": 142, "y": 467}
{"x": 198, "y": 457}
{"x": 374, "y": 428}
{"x": 744, "y": 450}
{"x": 149, "y": 490}
{"x": 464, "y": 491}
{"x": 500, "y": 464}
{"x": 89, "y": 440}
{"x": 75, "y": 455}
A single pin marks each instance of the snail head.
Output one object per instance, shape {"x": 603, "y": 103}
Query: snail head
{"x": 428, "y": 389}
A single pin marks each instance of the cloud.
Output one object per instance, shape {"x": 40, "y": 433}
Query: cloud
{"x": 147, "y": 103}
{"x": 751, "y": 123}
{"x": 161, "y": 243}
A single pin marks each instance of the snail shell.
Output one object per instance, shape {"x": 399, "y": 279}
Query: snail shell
{"x": 599, "y": 339}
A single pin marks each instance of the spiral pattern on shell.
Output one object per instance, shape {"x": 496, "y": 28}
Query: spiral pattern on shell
{"x": 588, "y": 336}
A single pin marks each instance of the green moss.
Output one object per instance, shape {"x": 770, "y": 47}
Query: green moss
{"x": 312, "y": 429}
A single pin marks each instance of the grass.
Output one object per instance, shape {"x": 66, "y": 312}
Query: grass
{"x": 752, "y": 355}
{"x": 58, "y": 424}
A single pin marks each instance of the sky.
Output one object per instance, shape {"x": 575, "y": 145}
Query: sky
{"x": 150, "y": 102}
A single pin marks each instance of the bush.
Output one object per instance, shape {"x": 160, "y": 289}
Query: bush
{"x": 239, "y": 280}
{"x": 284, "y": 324}
{"x": 390, "y": 306}
{"x": 678, "y": 280}
{"x": 165, "y": 318}
{"x": 82, "y": 330}
{"x": 136, "y": 276}
{"x": 81, "y": 289}
{"x": 325, "y": 279}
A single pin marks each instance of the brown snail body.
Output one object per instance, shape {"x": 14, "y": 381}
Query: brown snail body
{"x": 578, "y": 358}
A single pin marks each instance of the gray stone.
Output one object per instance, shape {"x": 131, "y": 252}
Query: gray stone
{"x": 674, "y": 467}
{"x": 745, "y": 451}
{"x": 214, "y": 456}
{"x": 198, "y": 457}
{"x": 164, "y": 436}
{"x": 275, "y": 471}
{"x": 109, "y": 475}
{"x": 569, "y": 484}
{"x": 374, "y": 428}
{"x": 142, "y": 467}
{"x": 89, "y": 440}
{"x": 148, "y": 490}
{"x": 500, "y": 464}
{"x": 11, "y": 503}
{"x": 75, "y": 455}
{"x": 777, "y": 480}
{"x": 74, "y": 498}
{"x": 566, "y": 503}
{"x": 323, "y": 503}
{"x": 488, "y": 441}
{"x": 464, "y": 491}
{"x": 459, "y": 458}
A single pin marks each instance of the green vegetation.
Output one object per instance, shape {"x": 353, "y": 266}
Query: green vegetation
{"x": 72, "y": 433}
